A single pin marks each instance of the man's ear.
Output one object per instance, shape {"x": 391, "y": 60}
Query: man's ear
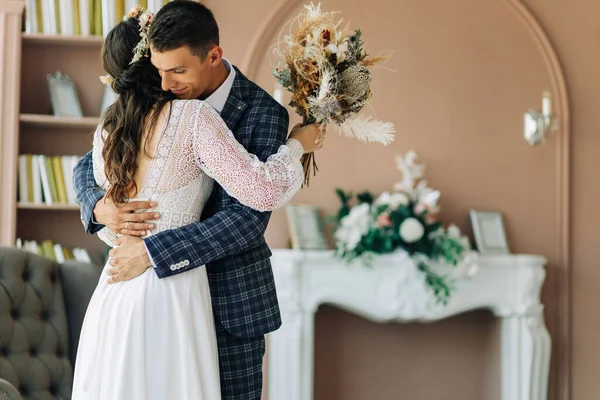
{"x": 215, "y": 55}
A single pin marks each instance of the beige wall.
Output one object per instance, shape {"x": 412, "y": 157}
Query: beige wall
{"x": 464, "y": 72}
{"x": 574, "y": 28}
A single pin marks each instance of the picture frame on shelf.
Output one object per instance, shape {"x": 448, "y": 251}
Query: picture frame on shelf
{"x": 63, "y": 96}
{"x": 305, "y": 226}
{"x": 489, "y": 232}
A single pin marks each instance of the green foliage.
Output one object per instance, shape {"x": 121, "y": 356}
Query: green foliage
{"x": 284, "y": 78}
{"x": 383, "y": 236}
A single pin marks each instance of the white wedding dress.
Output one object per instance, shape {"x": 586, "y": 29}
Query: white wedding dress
{"x": 154, "y": 339}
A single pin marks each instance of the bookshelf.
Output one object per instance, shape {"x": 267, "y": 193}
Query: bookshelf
{"x": 30, "y": 128}
{"x": 49, "y": 121}
{"x": 62, "y": 40}
{"x": 48, "y": 207}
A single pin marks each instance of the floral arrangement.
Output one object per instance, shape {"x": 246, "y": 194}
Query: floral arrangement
{"x": 142, "y": 49}
{"x": 326, "y": 69}
{"x": 404, "y": 220}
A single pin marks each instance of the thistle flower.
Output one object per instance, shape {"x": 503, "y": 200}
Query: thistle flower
{"x": 354, "y": 83}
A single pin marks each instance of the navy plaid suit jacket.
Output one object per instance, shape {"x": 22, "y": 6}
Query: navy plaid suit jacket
{"x": 229, "y": 239}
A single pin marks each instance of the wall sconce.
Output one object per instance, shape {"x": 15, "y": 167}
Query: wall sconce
{"x": 538, "y": 124}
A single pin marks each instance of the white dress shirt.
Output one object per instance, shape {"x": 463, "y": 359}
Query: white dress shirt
{"x": 219, "y": 97}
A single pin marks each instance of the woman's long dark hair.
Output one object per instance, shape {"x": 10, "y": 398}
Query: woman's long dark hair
{"x": 139, "y": 95}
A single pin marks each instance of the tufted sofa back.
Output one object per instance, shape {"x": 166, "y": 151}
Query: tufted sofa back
{"x": 42, "y": 305}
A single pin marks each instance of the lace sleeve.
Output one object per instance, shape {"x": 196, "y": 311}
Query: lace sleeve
{"x": 105, "y": 234}
{"x": 98, "y": 160}
{"x": 261, "y": 186}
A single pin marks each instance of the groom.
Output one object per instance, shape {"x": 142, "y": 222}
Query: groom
{"x": 229, "y": 240}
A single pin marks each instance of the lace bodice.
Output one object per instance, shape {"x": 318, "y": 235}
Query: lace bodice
{"x": 195, "y": 146}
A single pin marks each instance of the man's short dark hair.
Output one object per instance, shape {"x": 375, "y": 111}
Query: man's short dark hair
{"x": 184, "y": 23}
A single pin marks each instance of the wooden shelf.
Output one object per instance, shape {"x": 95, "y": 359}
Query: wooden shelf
{"x": 40, "y": 38}
{"x": 31, "y": 129}
{"x": 50, "y": 121}
{"x": 48, "y": 207}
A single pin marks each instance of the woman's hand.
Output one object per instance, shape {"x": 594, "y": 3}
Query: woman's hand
{"x": 125, "y": 218}
{"x": 310, "y": 136}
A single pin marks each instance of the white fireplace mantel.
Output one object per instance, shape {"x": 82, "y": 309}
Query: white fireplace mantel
{"x": 508, "y": 285}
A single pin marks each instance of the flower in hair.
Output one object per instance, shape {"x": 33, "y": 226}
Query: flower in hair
{"x": 145, "y": 19}
{"x": 106, "y": 79}
{"x": 134, "y": 12}
{"x": 142, "y": 49}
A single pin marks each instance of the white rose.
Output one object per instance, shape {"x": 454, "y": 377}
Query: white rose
{"x": 411, "y": 230}
{"x": 384, "y": 198}
{"x": 454, "y": 231}
{"x": 399, "y": 199}
{"x": 353, "y": 226}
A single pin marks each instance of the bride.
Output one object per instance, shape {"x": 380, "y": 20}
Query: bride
{"x": 152, "y": 146}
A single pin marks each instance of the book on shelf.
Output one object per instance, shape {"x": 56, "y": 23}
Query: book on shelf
{"x": 67, "y": 16}
{"x": 109, "y": 16}
{"x": 48, "y": 12}
{"x": 85, "y": 24}
{"x": 80, "y": 17}
{"x": 54, "y": 251}
{"x": 46, "y": 179}
{"x": 31, "y": 16}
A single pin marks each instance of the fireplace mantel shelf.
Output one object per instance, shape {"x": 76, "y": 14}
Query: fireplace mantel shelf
{"x": 508, "y": 285}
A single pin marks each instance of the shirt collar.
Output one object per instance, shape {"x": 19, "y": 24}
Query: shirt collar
{"x": 219, "y": 97}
